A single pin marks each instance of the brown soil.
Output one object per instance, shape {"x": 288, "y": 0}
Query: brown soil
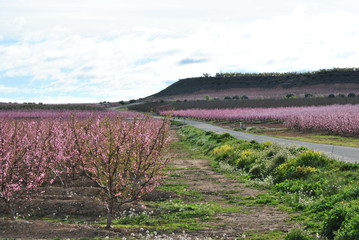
{"x": 83, "y": 206}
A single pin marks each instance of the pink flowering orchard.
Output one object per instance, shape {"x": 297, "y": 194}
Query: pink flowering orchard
{"x": 25, "y": 153}
{"x": 122, "y": 155}
{"x": 337, "y": 119}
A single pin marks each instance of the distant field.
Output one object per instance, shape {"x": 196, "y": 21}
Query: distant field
{"x": 26, "y": 114}
{"x": 250, "y": 103}
{"x": 89, "y": 107}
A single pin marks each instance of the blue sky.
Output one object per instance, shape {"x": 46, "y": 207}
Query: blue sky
{"x": 71, "y": 51}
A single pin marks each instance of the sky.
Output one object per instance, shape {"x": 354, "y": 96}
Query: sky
{"x": 89, "y": 51}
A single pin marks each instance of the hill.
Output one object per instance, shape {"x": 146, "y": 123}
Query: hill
{"x": 343, "y": 79}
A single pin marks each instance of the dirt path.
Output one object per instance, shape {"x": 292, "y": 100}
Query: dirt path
{"x": 215, "y": 187}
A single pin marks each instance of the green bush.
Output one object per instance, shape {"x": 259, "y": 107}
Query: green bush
{"x": 290, "y": 95}
{"x": 351, "y": 95}
{"x": 312, "y": 159}
{"x": 349, "y": 229}
{"x": 223, "y": 153}
{"x": 298, "y": 234}
{"x": 334, "y": 220}
{"x": 246, "y": 159}
{"x": 341, "y": 95}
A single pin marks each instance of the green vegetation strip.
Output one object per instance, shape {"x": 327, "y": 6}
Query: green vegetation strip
{"x": 325, "y": 192}
{"x": 305, "y": 136}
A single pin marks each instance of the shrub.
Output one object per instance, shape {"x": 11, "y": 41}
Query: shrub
{"x": 244, "y": 97}
{"x": 308, "y": 95}
{"x": 349, "y": 229}
{"x": 235, "y": 97}
{"x": 227, "y": 98}
{"x": 246, "y": 159}
{"x": 334, "y": 221}
{"x": 331, "y": 95}
{"x": 298, "y": 167}
{"x": 302, "y": 171}
{"x": 341, "y": 95}
{"x": 312, "y": 158}
{"x": 289, "y": 95}
{"x": 298, "y": 234}
{"x": 351, "y": 95}
{"x": 223, "y": 153}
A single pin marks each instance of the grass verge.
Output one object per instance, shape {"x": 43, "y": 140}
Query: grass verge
{"x": 322, "y": 190}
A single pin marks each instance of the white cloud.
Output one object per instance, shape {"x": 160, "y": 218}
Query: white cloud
{"x": 94, "y": 52}
{"x": 7, "y": 89}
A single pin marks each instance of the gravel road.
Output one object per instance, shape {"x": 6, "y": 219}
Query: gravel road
{"x": 345, "y": 154}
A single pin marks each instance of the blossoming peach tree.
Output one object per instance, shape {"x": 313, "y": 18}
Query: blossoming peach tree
{"x": 124, "y": 158}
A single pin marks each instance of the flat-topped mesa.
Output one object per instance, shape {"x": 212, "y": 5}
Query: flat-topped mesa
{"x": 223, "y": 81}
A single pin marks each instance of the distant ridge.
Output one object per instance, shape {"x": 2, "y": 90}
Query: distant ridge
{"x": 223, "y": 81}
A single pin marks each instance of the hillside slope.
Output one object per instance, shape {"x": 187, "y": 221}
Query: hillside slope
{"x": 226, "y": 81}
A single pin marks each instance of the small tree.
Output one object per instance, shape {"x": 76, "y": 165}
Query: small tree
{"x": 351, "y": 95}
{"x": 341, "y": 95}
{"x": 206, "y": 75}
{"x": 124, "y": 158}
{"x": 290, "y": 95}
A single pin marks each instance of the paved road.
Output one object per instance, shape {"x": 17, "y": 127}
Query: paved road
{"x": 345, "y": 154}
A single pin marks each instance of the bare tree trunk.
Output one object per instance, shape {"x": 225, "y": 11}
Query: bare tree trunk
{"x": 109, "y": 213}
{"x": 10, "y": 209}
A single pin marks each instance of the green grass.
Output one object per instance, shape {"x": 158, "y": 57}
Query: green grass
{"x": 187, "y": 150}
{"x": 314, "y": 137}
{"x": 125, "y": 109}
{"x": 175, "y": 215}
{"x": 182, "y": 189}
{"x": 255, "y": 235}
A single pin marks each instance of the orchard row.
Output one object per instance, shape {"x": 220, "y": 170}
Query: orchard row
{"x": 337, "y": 119}
{"x": 122, "y": 157}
